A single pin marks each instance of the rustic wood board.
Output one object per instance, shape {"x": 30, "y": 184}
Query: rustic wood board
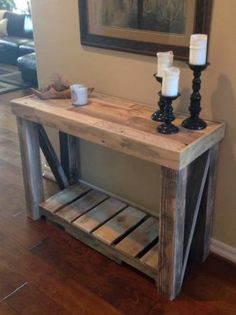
{"x": 64, "y": 197}
{"x": 151, "y": 257}
{"x": 100, "y": 214}
{"x": 98, "y": 220}
{"x": 82, "y": 205}
{"x": 119, "y": 225}
{"x": 31, "y": 166}
{"x": 122, "y": 125}
{"x": 141, "y": 237}
{"x": 171, "y": 241}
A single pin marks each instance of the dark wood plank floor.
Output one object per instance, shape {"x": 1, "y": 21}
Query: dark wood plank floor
{"x": 44, "y": 271}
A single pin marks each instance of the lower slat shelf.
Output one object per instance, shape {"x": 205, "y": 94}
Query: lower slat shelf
{"x": 112, "y": 227}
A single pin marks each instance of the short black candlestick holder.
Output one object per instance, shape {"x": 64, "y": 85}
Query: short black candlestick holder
{"x": 167, "y": 127}
{"x": 194, "y": 122}
{"x": 159, "y": 114}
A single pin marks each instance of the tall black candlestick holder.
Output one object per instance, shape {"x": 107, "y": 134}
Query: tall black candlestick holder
{"x": 194, "y": 122}
{"x": 167, "y": 127}
{"x": 159, "y": 114}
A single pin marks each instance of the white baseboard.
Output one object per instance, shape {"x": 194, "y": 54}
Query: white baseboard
{"x": 226, "y": 251}
{"x": 219, "y": 248}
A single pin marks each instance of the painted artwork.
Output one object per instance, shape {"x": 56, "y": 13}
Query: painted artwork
{"x": 167, "y": 16}
{"x": 116, "y": 13}
{"x": 143, "y": 26}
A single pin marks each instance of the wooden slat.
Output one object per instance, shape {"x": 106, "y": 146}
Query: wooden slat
{"x": 63, "y": 198}
{"x": 142, "y": 236}
{"x": 95, "y": 217}
{"x": 151, "y": 257}
{"x": 119, "y": 225}
{"x": 82, "y": 205}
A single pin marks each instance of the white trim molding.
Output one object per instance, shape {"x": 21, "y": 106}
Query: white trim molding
{"x": 226, "y": 251}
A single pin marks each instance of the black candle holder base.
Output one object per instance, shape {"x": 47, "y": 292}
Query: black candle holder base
{"x": 158, "y": 116}
{"x": 167, "y": 129}
{"x": 194, "y": 123}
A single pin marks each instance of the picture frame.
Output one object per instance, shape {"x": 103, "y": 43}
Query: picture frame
{"x": 100, "y": 27}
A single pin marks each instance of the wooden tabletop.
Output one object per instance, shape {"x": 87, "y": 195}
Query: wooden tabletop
{"x": 121, "y": 125}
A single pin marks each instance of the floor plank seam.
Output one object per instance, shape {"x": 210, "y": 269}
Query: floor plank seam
{"x": 37, "y": 244}
{"x": 15, "y": 291}
{"x": 18, "y": 213}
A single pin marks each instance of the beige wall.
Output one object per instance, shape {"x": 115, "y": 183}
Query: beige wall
{"x": 56, "y": 26}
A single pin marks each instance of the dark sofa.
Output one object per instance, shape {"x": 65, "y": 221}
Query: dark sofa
{"x": 27, "y": 67}
{"x": 18, "y": 47}
{"x": 19, "y": 40}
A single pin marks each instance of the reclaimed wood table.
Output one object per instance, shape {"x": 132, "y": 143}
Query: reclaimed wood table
{"x": 156, "y": 243}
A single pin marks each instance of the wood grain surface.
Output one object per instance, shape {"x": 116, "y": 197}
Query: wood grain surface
{"x": 82, "y": 205}
{"x": 31, "y": 165}
{"x": 123, "y": 126}
{"x": 98, "y": 215}
{"x": 103, "y": 222}
{"x": 141, "y": 237}
{"x": 61, "y": 199}
{"x": 171, "y": 241}
{"x": 151, "y": 257}
{"x": 119, "y": 225}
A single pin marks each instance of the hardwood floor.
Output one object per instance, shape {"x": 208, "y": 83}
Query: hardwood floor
{"x": 44, "y": 271}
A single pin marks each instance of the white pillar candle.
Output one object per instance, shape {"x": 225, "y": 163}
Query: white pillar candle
{"x": 164, "y": 60}
{"x": 198, "y": 49}
{"x": 170, "y": 83}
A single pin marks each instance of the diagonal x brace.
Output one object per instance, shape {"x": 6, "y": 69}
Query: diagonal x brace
{"x": 52, "y": 158}
{"x": 194, "y": 197}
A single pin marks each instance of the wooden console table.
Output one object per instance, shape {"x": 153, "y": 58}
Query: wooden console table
{"x": 157, "y": 244}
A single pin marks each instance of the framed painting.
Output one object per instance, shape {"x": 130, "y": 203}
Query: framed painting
{"x": 143, "y": 26}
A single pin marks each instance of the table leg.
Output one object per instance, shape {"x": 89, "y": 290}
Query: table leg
{"x": 171, "y": 240}
{"x": 31, "y": 166}
{"x": 201, "y": 242}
